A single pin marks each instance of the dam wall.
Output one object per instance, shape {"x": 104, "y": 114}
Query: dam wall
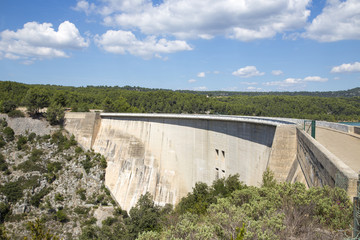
{"x": 166, "y": 154}
{"x": 83, "y": 126}
{"x": 320, "y": 167}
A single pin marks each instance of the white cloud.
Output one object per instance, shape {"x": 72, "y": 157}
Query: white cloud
{"x": 38, "y": 41}
{"x": 315, "y": 79}
{"x": 216, "y": 72}
{"x": 202, "y": 88}
{"x": 253, "y": 89}
{"x": 340, "y": 20}
{"x": 248, "y": 71}
{"x": 84, "y": 6}
{"x": 289, "y": 82}
{"x": 122, "y": 42}
{"x": 249, "y": 83}
{"x": 346, "y": 67}
{"x": 201, "y": 74}
{"x": 277, "y": 72}
{"x": 191, "y": 80}
{"x": 243, "y": 20}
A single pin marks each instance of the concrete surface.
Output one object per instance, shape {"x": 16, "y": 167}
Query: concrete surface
{"x": 166, "y": 154}
{"x": 344, "y": 146}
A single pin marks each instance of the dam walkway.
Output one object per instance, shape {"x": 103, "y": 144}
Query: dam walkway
{"x": 345, "y": 146}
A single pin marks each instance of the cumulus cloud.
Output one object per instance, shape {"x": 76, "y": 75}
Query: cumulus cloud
{"x": 191, "y": 80}
{"x": 248, "y": 71}
{"x": 85, "y": 6}
{"x": 296, "y": 81}
{"x": 277, "y": 72}
{"x": 122, "y": 42}
{"x": 242, "y": 19}
{"x": 315, "y": 79}
{"x": 201, "y": 74}
{"x": 39, "y": 40}
{"x": 346, "y": 67}
{"x": 340, "y": 20}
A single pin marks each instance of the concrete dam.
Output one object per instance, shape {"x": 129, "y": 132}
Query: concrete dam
{"x": 166, "y": 154}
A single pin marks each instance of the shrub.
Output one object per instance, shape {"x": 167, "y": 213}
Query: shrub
{"x": 30, "y": 166}
{"x": 31, "y": 136}
{"x": 37, "y": 198}
{"x": 54, "y": 167}
{"x": 38, "y": 231}
{"x": 103, "y": 163}
{"x": 8, "y": 106}
{"x": 16, "y": 114}
{"x": 81, "y": 210}
{"x": 58, "y": 197}
{"x": 3, "y": 164}
{"x": 61, "y": 216}
{"x": 35, "y": 155}
{"x": 3, "y": 122}
{"x": 4, "y": 211}
{"x": 2, "y": 141}
{"x": 78, "y": 150}
{"x": 87, "y": 164}
{"x": 13, "y": 191}
{"x": 81, "y": 192}
{"x": 9, "y": 134}
{"x": 21, "y": 142}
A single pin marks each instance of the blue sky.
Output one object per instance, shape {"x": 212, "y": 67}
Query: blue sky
{"x": 241, "y": 45}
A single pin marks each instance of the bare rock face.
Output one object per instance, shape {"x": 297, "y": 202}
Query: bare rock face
{"x": 50, "y": 178}
{"x": 22, "y": 126}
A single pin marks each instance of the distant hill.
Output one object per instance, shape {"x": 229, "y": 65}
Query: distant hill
{"x": 355, "y": 92}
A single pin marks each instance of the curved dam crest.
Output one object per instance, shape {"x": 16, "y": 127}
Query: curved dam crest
{"x": 166, "y": 154}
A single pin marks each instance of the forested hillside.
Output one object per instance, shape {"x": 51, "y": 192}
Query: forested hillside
{"x": 135, "y": 99}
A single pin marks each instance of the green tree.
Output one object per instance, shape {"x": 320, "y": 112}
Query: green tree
{"x": 39, "y": 232}
{"x": 108, "y": 105}
{"x": 3, "y": 234}
{"x": 55, "y": 114}
{"x": 144, "y": 216}
{"x": 35, "y": 99}
{"x": 4, "y": 210}
{"x": 9, "y": 134}
{"x": 59, "y": 98}
{"x": 8, "y": 106}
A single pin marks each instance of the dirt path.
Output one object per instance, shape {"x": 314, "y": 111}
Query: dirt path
{"x": 344, "y": 146}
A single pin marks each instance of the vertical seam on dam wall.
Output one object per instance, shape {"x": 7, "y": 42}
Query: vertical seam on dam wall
{"x": 96, "y": 128}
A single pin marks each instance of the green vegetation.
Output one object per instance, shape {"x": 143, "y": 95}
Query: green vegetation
{"x": 229, "y": 209}
{"x": 4, "y": 165}
{"x": 9, "y": 134}
{"x": 39, "y": 232}
{"x": 55, "y": 114}
{"x": 330, "y": 106}
{"x": 35, "y": 99}
{"x": 37, "y": 198}
{"x": 45, "y": 173}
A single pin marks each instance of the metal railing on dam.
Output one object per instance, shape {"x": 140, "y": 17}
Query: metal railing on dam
{"x": 166, "y": 154}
